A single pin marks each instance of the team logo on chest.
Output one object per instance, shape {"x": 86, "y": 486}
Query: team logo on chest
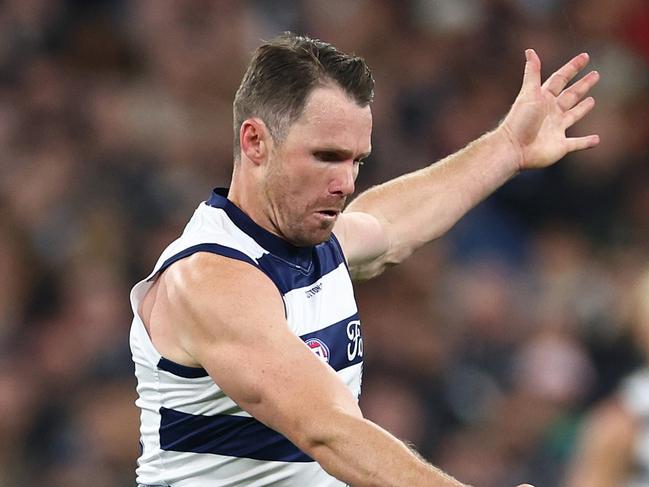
{"x": 319, "y": 347}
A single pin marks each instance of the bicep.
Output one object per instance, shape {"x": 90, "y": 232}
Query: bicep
{"x": 236, "y": 329}
{"x": 364, "y": 241}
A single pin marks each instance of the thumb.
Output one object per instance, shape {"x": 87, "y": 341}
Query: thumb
{"x": 532, "y": 75}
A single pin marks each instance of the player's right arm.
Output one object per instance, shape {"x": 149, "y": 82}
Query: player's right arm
{"x": 603, "y": 455}
{"x": 386, "y": 223}
{"x": 229, "y": 318}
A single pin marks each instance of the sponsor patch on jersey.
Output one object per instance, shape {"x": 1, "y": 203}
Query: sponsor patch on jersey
{"x": 319, "y": 347}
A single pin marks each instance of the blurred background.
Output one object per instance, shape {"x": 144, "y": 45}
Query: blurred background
{"x": 484, "y": 350}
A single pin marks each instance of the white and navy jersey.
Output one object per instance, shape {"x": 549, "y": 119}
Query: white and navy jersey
{"x": 192, "y": 434}
{"x": 635, "y": 399}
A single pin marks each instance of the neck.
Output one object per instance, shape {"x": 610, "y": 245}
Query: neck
{"x": 246, "y": 192}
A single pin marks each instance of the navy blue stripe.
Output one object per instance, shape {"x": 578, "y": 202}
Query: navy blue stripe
{"x": 206, "y": 247}
{"x": 181, "y": 370}
{"x": 344, "y": 342}
{"x": 340, "y": 253}
{"x": 233, "y": 436}
{"x": 338, "y": 249}
{"x": 287, "y": 276}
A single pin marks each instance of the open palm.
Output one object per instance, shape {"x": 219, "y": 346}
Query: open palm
{"x": 541, "y": 114}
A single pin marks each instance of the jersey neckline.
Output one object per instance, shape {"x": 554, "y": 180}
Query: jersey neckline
{"x": 299, "y": 256}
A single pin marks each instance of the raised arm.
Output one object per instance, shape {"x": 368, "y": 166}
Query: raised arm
{"x": 387, "y": 223}
{"x": 268, "y": 371}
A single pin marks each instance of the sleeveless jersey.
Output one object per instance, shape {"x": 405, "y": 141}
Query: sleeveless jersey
{"x": 192, "y": 434}
{"x": 635, "y": 399}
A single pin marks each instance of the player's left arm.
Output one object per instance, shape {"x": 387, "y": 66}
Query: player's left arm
{"x": 385, "y": 224}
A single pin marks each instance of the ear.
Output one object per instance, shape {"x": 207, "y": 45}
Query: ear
{"x": 255, "y": 140}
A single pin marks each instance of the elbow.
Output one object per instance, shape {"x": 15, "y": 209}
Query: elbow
{"x": 402, "y": 240}
{"x": 397, "y": 253}
{"x": 318, "y": 435}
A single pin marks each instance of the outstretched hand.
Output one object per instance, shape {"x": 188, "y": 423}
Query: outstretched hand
{"x": 537, "y": 122}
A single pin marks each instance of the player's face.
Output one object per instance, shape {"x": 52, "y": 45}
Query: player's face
{"x": 312, "y": 172}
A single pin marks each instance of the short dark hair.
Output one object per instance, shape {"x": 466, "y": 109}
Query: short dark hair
{"x": 283, "y": 72}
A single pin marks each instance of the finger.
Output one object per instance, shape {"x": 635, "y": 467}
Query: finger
{"x": 581, "y": 143}
{"x": 570, "y": 97}
{"x": 578, "y": 112}
{"x": 532, "y": 75}
{"x": 561, "y": 77}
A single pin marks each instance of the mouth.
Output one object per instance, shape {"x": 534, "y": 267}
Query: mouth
{"x": 328, "y": 214}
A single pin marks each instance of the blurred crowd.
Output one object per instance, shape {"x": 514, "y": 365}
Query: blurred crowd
{"x": 484, "y": 350}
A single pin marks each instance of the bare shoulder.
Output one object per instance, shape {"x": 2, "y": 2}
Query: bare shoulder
{"x": 202, "y": 270}
{"x": 210, "y": 287}
{"x": 206, "y": 300}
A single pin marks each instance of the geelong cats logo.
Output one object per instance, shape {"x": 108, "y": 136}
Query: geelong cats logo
{"x": 319, "y": 348}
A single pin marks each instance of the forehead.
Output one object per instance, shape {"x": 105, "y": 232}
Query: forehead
{"x": 332, "y": 117}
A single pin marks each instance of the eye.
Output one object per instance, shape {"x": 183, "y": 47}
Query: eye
{"x": 327, "y": 156}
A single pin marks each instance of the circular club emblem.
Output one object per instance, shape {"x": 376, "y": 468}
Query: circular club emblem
{"x": 319, "y": 348}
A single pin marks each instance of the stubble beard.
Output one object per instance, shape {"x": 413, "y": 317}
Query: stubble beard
{"x": 295, "y": 226}
{"x": 288, "y": 221}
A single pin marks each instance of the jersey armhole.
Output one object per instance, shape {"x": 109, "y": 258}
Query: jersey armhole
{"x": 204, "y": 247}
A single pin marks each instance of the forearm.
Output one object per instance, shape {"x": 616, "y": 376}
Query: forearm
{"x": 418, "y": 207}
{"x": 362, "y": 454}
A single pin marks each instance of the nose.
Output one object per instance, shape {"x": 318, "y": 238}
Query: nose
{"x": 343, "y": 183}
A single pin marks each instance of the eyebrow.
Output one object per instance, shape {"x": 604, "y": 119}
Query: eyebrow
{"x": 341, "y": 152}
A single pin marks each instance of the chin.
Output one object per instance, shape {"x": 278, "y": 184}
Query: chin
{"x": 312, "y": 238}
